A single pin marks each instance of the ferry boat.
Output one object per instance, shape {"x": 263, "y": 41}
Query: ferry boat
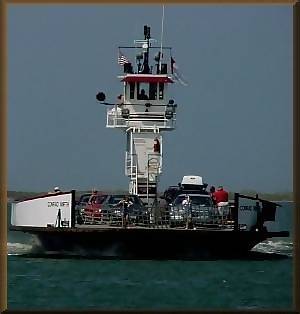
{"x": 143, "y": 112}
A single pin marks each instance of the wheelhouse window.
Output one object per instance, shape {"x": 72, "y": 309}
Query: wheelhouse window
{"x": 142, "y": 91}
{"x": 131, "y": 90}
{"x": 146, "y": 91}
{"x": 152, "y": 91}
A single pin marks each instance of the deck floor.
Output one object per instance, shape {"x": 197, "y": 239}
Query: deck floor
{"x": 154, "y": 227}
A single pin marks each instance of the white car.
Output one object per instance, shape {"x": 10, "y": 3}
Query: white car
{"x": 200, "y": 209}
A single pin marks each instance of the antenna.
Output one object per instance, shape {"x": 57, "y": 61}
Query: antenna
{"x": 161, "y": 37}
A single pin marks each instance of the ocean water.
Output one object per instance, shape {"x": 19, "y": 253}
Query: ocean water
{"x": 82, "y": 283}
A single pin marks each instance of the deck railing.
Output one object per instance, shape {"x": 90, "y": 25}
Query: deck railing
{"x": 195, "y": 217}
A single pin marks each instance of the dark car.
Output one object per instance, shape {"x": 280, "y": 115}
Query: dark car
{"x": 112, "y": 209}
{"x": 171, "y": 193}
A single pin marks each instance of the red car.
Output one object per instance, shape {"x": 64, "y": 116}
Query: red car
{"x": 92, "y": 210}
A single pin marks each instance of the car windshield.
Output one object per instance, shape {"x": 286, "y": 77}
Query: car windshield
{"x": 115, "y": 199}
{"x": 195, "y": 200}
{"x": 201, "y": 200}
{"x": 99, "y": 199}
{"x": 85, "y": 198}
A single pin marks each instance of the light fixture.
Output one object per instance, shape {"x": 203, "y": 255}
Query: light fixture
{"x": 100, "y": 96}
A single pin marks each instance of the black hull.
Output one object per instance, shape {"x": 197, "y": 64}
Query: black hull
{"x": 148, "y": 243}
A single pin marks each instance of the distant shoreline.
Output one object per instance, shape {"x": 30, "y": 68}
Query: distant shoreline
{"x": 284, "y": 196}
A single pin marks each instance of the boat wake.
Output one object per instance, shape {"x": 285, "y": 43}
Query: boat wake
{"x": 18, "y": 248}
{"x": 34, "y": 250}
{"x": 275, "y": 246}
{"x": 264, "y": 250}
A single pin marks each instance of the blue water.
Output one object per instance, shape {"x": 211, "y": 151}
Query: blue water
{"x": 66, "y": 283}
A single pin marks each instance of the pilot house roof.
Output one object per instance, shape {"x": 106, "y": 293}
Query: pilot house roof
{"x": 146, "y": 78}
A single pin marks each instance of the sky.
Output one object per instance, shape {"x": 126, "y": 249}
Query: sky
{"x": 234, "y": 118}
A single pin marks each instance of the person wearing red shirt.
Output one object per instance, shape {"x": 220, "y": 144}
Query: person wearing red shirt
{"x": 221, "y": 195}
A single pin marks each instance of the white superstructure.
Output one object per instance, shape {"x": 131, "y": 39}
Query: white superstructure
{"x": 143, "y": 112}
{"x": 45, "y": 211}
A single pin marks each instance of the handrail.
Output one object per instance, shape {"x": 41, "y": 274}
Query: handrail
{"x": 270, "y": 210}
{"x": 116, "y": 120}
{"x": 150, "y": 47}
{"x": 195, "y": 216}
{"x": 256, "y": 198}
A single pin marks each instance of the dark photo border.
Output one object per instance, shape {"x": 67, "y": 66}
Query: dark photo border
{"x": 4, "y": 4}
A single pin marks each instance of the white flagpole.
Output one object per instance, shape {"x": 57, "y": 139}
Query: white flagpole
{"x": 161, "y": 37}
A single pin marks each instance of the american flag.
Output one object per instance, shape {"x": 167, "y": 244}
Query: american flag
{"x": 176, "y": 74}
{"x": 122, "y": 59}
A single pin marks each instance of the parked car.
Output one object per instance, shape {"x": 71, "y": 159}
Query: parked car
{"x": 80, "y": 205}
{"x": 88, "y": 208}
{"x": 200, "y": 210}
{"x": 171, "y": 193}
{"x": 138, "y": 213}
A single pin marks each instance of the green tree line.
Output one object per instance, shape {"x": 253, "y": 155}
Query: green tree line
{"x": 282, "y": 196}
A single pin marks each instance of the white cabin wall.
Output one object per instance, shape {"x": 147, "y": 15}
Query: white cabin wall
{"x": 40, "y": 212}
{"x": 143, "y": 148}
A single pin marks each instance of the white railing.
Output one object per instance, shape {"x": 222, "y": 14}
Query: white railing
{"x": 130, "y": 165}
{"x": 131, "y": 170}
{"x": 115, "y": 120}
{"x": 177, "y": 217}
{"x": 199, "y": 215}
{"x": 139, "y": 119}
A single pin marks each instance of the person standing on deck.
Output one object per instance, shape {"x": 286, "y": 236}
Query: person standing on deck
{"x": 92, "y": 198}
{"x": 57, "y": 190}
{"x": 125, "y": 204}
{"x": 212, "y": 192}
{"x": 186, "y": 206}
{"x": 221, "y": 197}
{"x": 120, "y": 100}
{"x": 117, "y": 108}
{"x": 120, "y": 104}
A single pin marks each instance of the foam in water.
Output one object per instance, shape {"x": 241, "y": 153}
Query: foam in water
{"x": 277, "y": 246}
{"x": 18, "y": 248}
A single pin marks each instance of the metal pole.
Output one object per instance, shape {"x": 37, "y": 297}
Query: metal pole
{"x": 148, "y": 181}
{"x": 161, "y": 37}
{"x": 236, "y": 212}
{"x": 131, "y": 160}
{"x": 73, "y": 214}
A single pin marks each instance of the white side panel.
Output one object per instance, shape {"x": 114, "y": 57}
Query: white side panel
{"x": 140, "y": 151}
{"x": 144, "y": 149}
{"x": 39, "y": 212}
{"x": 247, "y": 216}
